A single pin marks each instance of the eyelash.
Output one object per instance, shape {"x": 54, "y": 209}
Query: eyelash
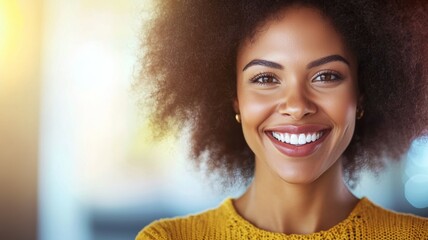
{"x": 261, "y": 78}
{"x": 266, "y": 76}
{"x": 330, "y": 73}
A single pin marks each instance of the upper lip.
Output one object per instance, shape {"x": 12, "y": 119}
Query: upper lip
{"x": 296, "y": 129}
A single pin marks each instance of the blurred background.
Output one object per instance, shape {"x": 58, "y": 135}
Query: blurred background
{"x": 75, "y": 157}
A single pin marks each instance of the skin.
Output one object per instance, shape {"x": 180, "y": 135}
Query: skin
{"x": 289, "y": 194}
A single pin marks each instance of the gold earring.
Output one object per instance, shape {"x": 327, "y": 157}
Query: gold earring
{"x": 238, "y": 118}
{"x": 360, "y": 113}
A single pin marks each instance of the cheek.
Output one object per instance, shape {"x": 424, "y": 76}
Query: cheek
{"x": 340, "y": 106}
{"x": 255, "y": 110}
{"x": 342, "y": 112}
{"x": 254, "y": 107}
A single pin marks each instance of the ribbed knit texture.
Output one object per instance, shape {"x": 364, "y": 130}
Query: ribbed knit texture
{"x": 366, "y": 221}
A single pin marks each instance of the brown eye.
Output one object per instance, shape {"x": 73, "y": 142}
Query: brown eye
{"x": 264, "y": 79}
{"x": 327, "y": 77}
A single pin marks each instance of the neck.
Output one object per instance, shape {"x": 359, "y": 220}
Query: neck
{"x": 277, "y": 206}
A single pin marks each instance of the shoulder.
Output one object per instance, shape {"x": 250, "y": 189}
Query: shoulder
{"x": 188, "y": 227}
{"x": 383, "y": 221}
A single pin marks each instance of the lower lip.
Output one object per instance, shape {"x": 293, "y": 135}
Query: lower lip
{"x": 297, "y": 151}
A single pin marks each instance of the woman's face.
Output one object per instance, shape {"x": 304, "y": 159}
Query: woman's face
{"x": 297, "y": 95}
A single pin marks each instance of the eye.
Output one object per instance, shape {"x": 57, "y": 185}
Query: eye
{"x": 264, "y": 79}
{"x": 327, "y": 76}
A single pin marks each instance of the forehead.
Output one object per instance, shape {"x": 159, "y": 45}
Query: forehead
{"x": 300, "y": 32}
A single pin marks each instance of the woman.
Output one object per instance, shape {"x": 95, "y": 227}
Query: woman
{"x": 318, "y": 89}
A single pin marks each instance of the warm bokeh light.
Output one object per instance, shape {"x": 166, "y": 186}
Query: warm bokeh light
{"x": 11, "y": 23}
{"x": 20, "y": 40}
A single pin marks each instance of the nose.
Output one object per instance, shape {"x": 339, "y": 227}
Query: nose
{"x": 296, "y": 104}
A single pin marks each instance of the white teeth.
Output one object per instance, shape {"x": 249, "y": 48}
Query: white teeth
{"x": 282, "y": 137}
{"x": 302, "y": 138}
{"x": 297, "y": 139}
{"x": 293, "y": 139}
{"x": 314, "y": 137}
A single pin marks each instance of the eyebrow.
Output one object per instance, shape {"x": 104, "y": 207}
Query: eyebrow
{"x": 316, "y": 63}
{"x": 265, "y": 63}
{"x": 324, "y": 60}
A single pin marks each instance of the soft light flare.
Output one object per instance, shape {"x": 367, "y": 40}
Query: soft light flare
{"x": 11, "y": 21}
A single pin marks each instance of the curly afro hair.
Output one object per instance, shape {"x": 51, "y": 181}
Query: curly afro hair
{"x": 188, "y": 72}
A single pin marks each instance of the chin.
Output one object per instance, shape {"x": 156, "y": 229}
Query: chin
{"x": 298, "y": 177}
{"x": 301, "y": 172}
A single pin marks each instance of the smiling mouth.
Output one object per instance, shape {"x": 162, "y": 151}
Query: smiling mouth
{"x": 297, "y": 139}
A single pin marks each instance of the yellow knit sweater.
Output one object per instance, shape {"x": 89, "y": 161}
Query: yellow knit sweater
{"x": 366, "y": 221}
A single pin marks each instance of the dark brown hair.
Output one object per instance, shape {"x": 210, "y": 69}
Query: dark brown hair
{"x": 188, "y": 74}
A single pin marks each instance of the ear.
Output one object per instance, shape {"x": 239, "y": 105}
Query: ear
{"x": 236, "y": 105}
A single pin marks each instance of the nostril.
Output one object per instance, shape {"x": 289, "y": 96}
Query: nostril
{"x": 297, "y": 112}
{"x": 296, "y": 105}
